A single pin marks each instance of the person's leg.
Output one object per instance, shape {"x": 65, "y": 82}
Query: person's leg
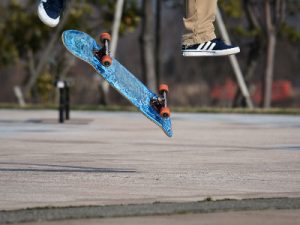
{"x": 49, "y": 11}
{"x": 199, "y": 38}
{"x": 200, "y": 16}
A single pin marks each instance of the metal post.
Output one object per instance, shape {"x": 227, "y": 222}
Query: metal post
{"x": 19, "y": 95}
{"x": 233, "y": 60}
{"x": 114, "y": 40}
{"x": 116, "y": 27}
{"x": 67, "y": 100}
{"x": 61, "y": 107}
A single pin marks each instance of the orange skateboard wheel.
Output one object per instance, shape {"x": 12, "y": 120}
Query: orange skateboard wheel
{"x": 105, "y": 36}
{"x": 163, "y": 88}
{"x": 165, "y": 112}
{"x": 106, "y": 61}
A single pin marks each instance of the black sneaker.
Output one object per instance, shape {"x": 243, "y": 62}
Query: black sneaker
{"x": 49, "y": 11}
{"x": 215, "y": 47}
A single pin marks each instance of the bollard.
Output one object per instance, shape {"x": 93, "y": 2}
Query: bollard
{"x": 61, "y": 87}
{"x": 64, "y": 101}
{"x": 67, "y": 101}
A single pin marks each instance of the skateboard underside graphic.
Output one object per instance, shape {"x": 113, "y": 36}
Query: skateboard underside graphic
{"x": 84, "y": 47}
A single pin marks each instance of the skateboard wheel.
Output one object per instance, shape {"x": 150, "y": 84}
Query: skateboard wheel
{"x": 106, "y": 61}
{"x": 165, "y": 112}
{"x": 104, "y": 36}
{"x": 163, "y": 88}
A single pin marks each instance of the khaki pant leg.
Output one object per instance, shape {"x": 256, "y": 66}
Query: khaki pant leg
{"x": 200, "y": 16}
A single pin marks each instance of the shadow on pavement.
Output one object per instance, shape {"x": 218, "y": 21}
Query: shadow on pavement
{"x": 61, "y": 168}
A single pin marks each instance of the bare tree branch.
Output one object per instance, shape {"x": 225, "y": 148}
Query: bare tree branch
{"x": 47, "y": 52}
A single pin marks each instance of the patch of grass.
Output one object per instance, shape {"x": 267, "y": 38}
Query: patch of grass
{"x": 116, "y": 108}
{"x": 280, "y": 111}
{"x": 73, "y": 107}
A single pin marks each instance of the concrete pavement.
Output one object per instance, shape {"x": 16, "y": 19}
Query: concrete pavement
{"x": 105, "y": 158}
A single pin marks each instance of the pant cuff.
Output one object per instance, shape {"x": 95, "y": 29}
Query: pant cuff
{"x": 193, "y": 39}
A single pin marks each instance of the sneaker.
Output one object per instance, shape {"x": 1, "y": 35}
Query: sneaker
{"x": 215, "y": 47}
{"x": 49, "y": 11}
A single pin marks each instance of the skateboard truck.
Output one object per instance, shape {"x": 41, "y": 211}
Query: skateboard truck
{"x": 104, "y": 54}
{"x": 160, "y": 104}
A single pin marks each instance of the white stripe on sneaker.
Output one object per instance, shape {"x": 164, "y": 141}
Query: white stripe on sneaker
{"x": 205, "y": 47}
{"x": 200, "y": 46}
{"x": 208, "y": 47}
{"x": 212, "y": 46}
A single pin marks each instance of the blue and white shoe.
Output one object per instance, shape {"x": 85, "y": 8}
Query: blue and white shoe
{"x": 215, "y": 47}
{"x": 49, "y": 11}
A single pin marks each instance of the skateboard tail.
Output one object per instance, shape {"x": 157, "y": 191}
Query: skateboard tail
{"x": 167, "y": 129}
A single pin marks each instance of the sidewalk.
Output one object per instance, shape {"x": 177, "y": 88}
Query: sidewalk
{"x": 105, "y": 158}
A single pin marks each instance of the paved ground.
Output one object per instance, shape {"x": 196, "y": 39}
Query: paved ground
{"x": 121, "y": 158}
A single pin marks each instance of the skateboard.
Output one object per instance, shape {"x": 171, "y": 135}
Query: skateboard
{"x": 153, "y": 106}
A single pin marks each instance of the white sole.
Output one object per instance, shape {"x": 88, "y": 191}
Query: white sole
{"x": 193, "y": 53}
{"x": 45, "y": 18}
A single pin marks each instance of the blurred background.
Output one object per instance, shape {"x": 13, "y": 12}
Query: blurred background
{"x": 33, "y": 59}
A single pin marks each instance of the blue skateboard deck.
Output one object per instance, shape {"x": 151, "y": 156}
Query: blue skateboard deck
{"x": 83, "y": 46}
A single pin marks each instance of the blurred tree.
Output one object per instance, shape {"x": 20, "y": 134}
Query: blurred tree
{"x": 147, "y": 44}
{"x": 26, "y": 39}
{"x": 151, "y": 39}
{"x": 274, "y": 17}
{"x": 266, "y": 22}
{"x": 157, "y": 52}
